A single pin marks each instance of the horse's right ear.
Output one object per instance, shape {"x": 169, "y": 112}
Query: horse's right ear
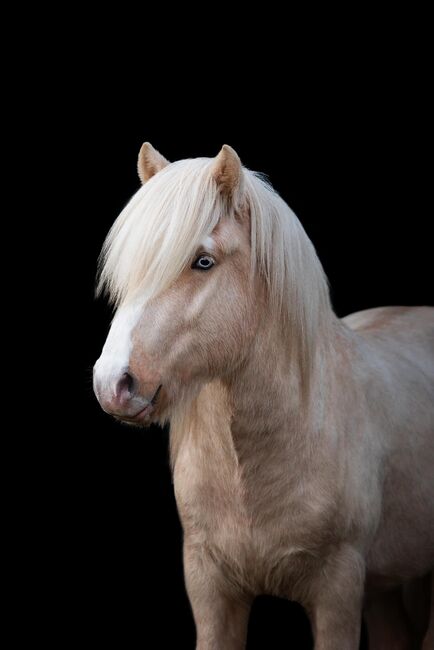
{"x": 150, "y": 162}
{"x": 227, "y": 171}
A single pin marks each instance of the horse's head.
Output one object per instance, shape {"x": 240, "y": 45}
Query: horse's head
{"x": 178, "y": 264}
{"x": 204, "y": 255}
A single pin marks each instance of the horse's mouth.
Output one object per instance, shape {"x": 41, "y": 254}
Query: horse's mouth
{"x": 144, "y": 415}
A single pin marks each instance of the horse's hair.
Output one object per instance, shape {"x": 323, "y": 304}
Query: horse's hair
{"x": 159, "y": 231}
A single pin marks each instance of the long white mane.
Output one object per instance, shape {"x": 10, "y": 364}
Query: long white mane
{"x": 160, "y": 229}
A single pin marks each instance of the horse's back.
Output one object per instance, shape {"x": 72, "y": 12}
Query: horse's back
{"x": 406, "y": 331}
{"x": 393, "y": 318}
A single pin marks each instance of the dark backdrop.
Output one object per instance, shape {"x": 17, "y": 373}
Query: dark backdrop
{"x": 349, "y": 157}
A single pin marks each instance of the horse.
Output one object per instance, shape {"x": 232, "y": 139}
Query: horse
{"x": 301, "y": 445}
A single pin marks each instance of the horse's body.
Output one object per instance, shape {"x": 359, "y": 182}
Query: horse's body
{"x": 303, "y": 464}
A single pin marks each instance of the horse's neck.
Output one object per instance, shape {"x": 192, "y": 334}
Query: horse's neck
{"x": 255, "y": 420}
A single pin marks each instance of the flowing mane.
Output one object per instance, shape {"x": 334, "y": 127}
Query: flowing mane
{"x": 158, "y": 232}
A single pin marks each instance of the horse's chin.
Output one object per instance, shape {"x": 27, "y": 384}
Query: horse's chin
{"x": 144, "y": 422}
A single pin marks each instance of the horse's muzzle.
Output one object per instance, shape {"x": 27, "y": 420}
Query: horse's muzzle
{"x": 122, "y": 397}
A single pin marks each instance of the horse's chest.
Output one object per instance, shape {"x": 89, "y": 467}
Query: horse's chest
{"x": 267, "y": 545}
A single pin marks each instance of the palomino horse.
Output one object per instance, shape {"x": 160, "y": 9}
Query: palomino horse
{"x": 302, "y": 445}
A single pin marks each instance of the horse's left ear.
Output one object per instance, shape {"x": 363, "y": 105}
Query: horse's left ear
{"x": 227, "y": 171}
{"x": 150, "y": 162}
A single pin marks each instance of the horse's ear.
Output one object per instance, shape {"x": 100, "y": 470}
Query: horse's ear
{"x": 150, "y": 162}
{"x": 227, "y": 171}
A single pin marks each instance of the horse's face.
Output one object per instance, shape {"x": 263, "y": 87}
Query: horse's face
{"x": 159, "y": 352}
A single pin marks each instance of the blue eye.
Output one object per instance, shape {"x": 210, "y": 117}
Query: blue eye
{"x": 203, "y": 263}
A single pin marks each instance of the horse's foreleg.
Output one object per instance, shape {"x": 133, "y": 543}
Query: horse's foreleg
{"x": 428, "y": 642}
{"x": 388, "y": 624}
{"x": 336, "y": 602}
{"x": 221, "y": 616}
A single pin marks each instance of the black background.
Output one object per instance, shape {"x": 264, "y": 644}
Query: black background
{"x": 347, "y": 148}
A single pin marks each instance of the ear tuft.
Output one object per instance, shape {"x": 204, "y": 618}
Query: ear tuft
{"x": 227, "y": 170}
{"x": 150, "y": 162}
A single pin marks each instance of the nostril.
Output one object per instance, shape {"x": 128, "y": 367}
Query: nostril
{"x": 129, "y": 381}
{"x": 125, "y": 386}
